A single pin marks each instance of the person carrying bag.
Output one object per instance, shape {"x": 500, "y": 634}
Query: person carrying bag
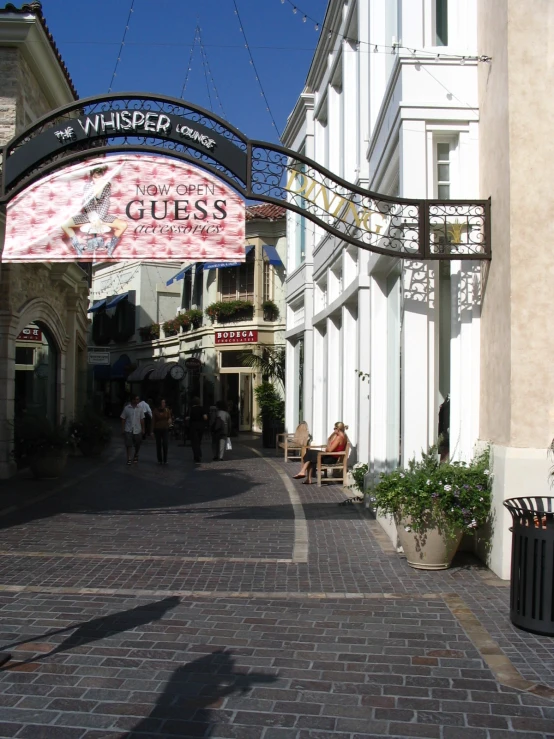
{"x": 220, "y": 429}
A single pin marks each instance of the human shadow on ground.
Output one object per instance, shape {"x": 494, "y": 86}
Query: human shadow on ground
{"x": 88, "y": 632}
{"x": 186, "y": 706}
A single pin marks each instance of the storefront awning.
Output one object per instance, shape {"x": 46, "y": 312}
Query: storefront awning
{"x": 161, "y": 371}
{"x": 273, "y": 256}
{"x": 99, "y": 304}
{"x": 117, "y": 299}
{"x": 118, "y": 368}
{"x": 179, "y": 275}
{"x": 222, "y": 265}
{"x": 141, "y": 373}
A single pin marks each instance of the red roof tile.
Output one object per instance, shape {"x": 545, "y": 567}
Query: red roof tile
{"x": 266, "y": 211}
{"x": 36, "y": 9}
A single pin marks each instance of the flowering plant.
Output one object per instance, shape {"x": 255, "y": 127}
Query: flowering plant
{"x": 455, "y": 495}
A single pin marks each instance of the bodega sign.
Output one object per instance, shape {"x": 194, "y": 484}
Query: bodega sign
{"x": 126, "y": 207}
{"x": 236, "y": 337}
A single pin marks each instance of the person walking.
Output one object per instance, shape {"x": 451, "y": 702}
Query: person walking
{"x": 132, "y": 428}
{"x": 161, "y": 421}
{"x": 147, "y": 410}
{"x": 197, "y": 422}
{"x": 220, "y": 429}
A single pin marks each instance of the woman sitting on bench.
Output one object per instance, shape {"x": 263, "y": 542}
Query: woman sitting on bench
{"x": 335, "y": 443}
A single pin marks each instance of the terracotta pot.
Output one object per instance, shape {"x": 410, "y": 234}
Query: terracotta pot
{"x": 431, "y": 549}
{"x": 50, "y": 464}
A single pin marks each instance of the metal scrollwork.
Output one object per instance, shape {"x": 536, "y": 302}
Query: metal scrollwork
{"x": 398, "y": 227}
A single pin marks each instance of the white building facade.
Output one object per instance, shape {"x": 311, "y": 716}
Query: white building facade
{"x": 381, "y": 343}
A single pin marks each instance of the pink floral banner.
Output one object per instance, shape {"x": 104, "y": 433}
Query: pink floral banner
{"x": 126, "y": 207}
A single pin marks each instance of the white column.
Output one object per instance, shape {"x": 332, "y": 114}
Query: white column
{"x": 363, "y": 363}
{"x": 465, "y": 361}
{"x": 320, "y": 385}
{"x": 309, "y": 356}
{"x": 334, "y": 360}
{"x": 291, "y": 388}
{"x": 363, "y": 86}
{"x": 378, "y": 370}
{"x": 335, "y": 137}
{"x": 349, "y": 373}
{"x": 351, "y": 112}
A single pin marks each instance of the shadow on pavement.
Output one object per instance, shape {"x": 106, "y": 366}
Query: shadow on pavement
{"x": 194, "y": 689}
{"x": 103, "y": 627}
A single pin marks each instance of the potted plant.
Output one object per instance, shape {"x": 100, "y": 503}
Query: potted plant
{"x": 41, "y": 445}
{"x": 171, "y": 327}
{"x": 182, "y": 320}
{"x": 149, "y": 333}
{"x": 433, "y": 504}
{"x": 272, "y": 413}
{"x": 91, "y": 433}
{"x": 195, "y": 317}
{"x": 271, "y": 311}
{"x": 231, "y": 310}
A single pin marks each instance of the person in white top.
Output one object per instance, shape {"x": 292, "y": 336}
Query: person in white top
{"x": 132, "y": 427}
{"x": 147, "y": 410}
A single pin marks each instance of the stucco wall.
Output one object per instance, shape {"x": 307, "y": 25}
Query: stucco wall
{"x": 517, "y": 383}
{"x": 8, "y": 93}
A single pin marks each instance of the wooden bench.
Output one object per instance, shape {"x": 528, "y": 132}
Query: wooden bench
{"x": 295, "y": 444}
{"x": 340, "y": 464}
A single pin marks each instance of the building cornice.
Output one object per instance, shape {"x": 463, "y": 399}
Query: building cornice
{"x": 297, "y": 118}
{"x": 26, "y": 34}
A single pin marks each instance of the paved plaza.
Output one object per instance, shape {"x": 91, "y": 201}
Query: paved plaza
{"x": 227, "y": 601}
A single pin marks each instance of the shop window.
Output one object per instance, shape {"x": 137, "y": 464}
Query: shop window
{"x": 234, "y": 359}
{"x": 268, "y": 281}
{"x": 443, "y": 171}
{"x": 237, "y": 283}
{"x": 24, "y": 356}
{"x": 187, "y": 291}
{"x": 441, "y": 22}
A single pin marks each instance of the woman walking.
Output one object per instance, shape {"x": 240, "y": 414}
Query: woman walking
{"x": 335, "y": 443}
{"x": 161, "y": 421}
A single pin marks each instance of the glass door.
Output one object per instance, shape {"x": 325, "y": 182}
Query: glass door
{"x": 245, "y": 395}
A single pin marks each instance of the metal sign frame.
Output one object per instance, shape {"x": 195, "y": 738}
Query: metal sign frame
{"x": 418, "y": 229}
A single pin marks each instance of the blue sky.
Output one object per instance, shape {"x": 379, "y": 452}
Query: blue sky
{"x": 158, "y": 44}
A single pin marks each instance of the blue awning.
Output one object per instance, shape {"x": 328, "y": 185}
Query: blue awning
{"x": 99, "y": 304}
{"x": 114, "y": 301}
{"x": 118, "y": 368}
{"x": 273, "y": 256}
{"x": 179, "y": 275}
{"x": 222, "y": 265}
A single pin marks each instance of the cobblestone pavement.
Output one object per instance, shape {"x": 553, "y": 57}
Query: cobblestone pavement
{"x": 205, "y": 601}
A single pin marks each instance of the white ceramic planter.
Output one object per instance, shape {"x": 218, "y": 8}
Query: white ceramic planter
{"x": 431, "y": 549}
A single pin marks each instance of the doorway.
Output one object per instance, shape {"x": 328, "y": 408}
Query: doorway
{"x": 236, "y": 393}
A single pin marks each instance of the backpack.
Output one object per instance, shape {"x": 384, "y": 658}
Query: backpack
{"x": 218, "y": 426}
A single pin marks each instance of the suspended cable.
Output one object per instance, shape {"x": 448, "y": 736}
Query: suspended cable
{"x": 131, "y": 10}
{"x": 205, "y": 69}
{"x": 189, "y": 67}
{"x": 258, "y": 80}
{"x": 203, "y": 51}
{"x": 392, "y": 49}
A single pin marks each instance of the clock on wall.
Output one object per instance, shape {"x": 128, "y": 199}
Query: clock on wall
{"x": 177, "y": 372}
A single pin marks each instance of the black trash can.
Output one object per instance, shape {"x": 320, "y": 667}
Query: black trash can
{"x": 532, "y": 574}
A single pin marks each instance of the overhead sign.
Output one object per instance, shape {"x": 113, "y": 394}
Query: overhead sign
{"x": 126, "y": 207}
{"x": 193, "y": 363}
{"x": 99, "y": 358}
{"x": 236, "y": 337}
{"x": 30, "y": 334}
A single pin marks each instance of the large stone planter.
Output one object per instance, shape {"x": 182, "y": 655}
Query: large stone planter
{"x": 432, "y": 549}
{"x": 48, "y": 465}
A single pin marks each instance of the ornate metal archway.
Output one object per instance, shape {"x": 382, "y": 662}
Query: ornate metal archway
{"x": 131, "y": 122}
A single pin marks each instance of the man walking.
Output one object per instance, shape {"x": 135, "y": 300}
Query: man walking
{"x": 132, "y": 427}
{"x": 146, "y": 408}
{"x": 221, "y": 428}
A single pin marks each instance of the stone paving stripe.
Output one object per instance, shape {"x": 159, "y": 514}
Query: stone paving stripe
{"x": 146, "y": 557}
{"x": 64, "y": 485}
{"x": 501, "y": 666}
{"x": 274, "y": 595}
{"x": 300, "y": 550}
